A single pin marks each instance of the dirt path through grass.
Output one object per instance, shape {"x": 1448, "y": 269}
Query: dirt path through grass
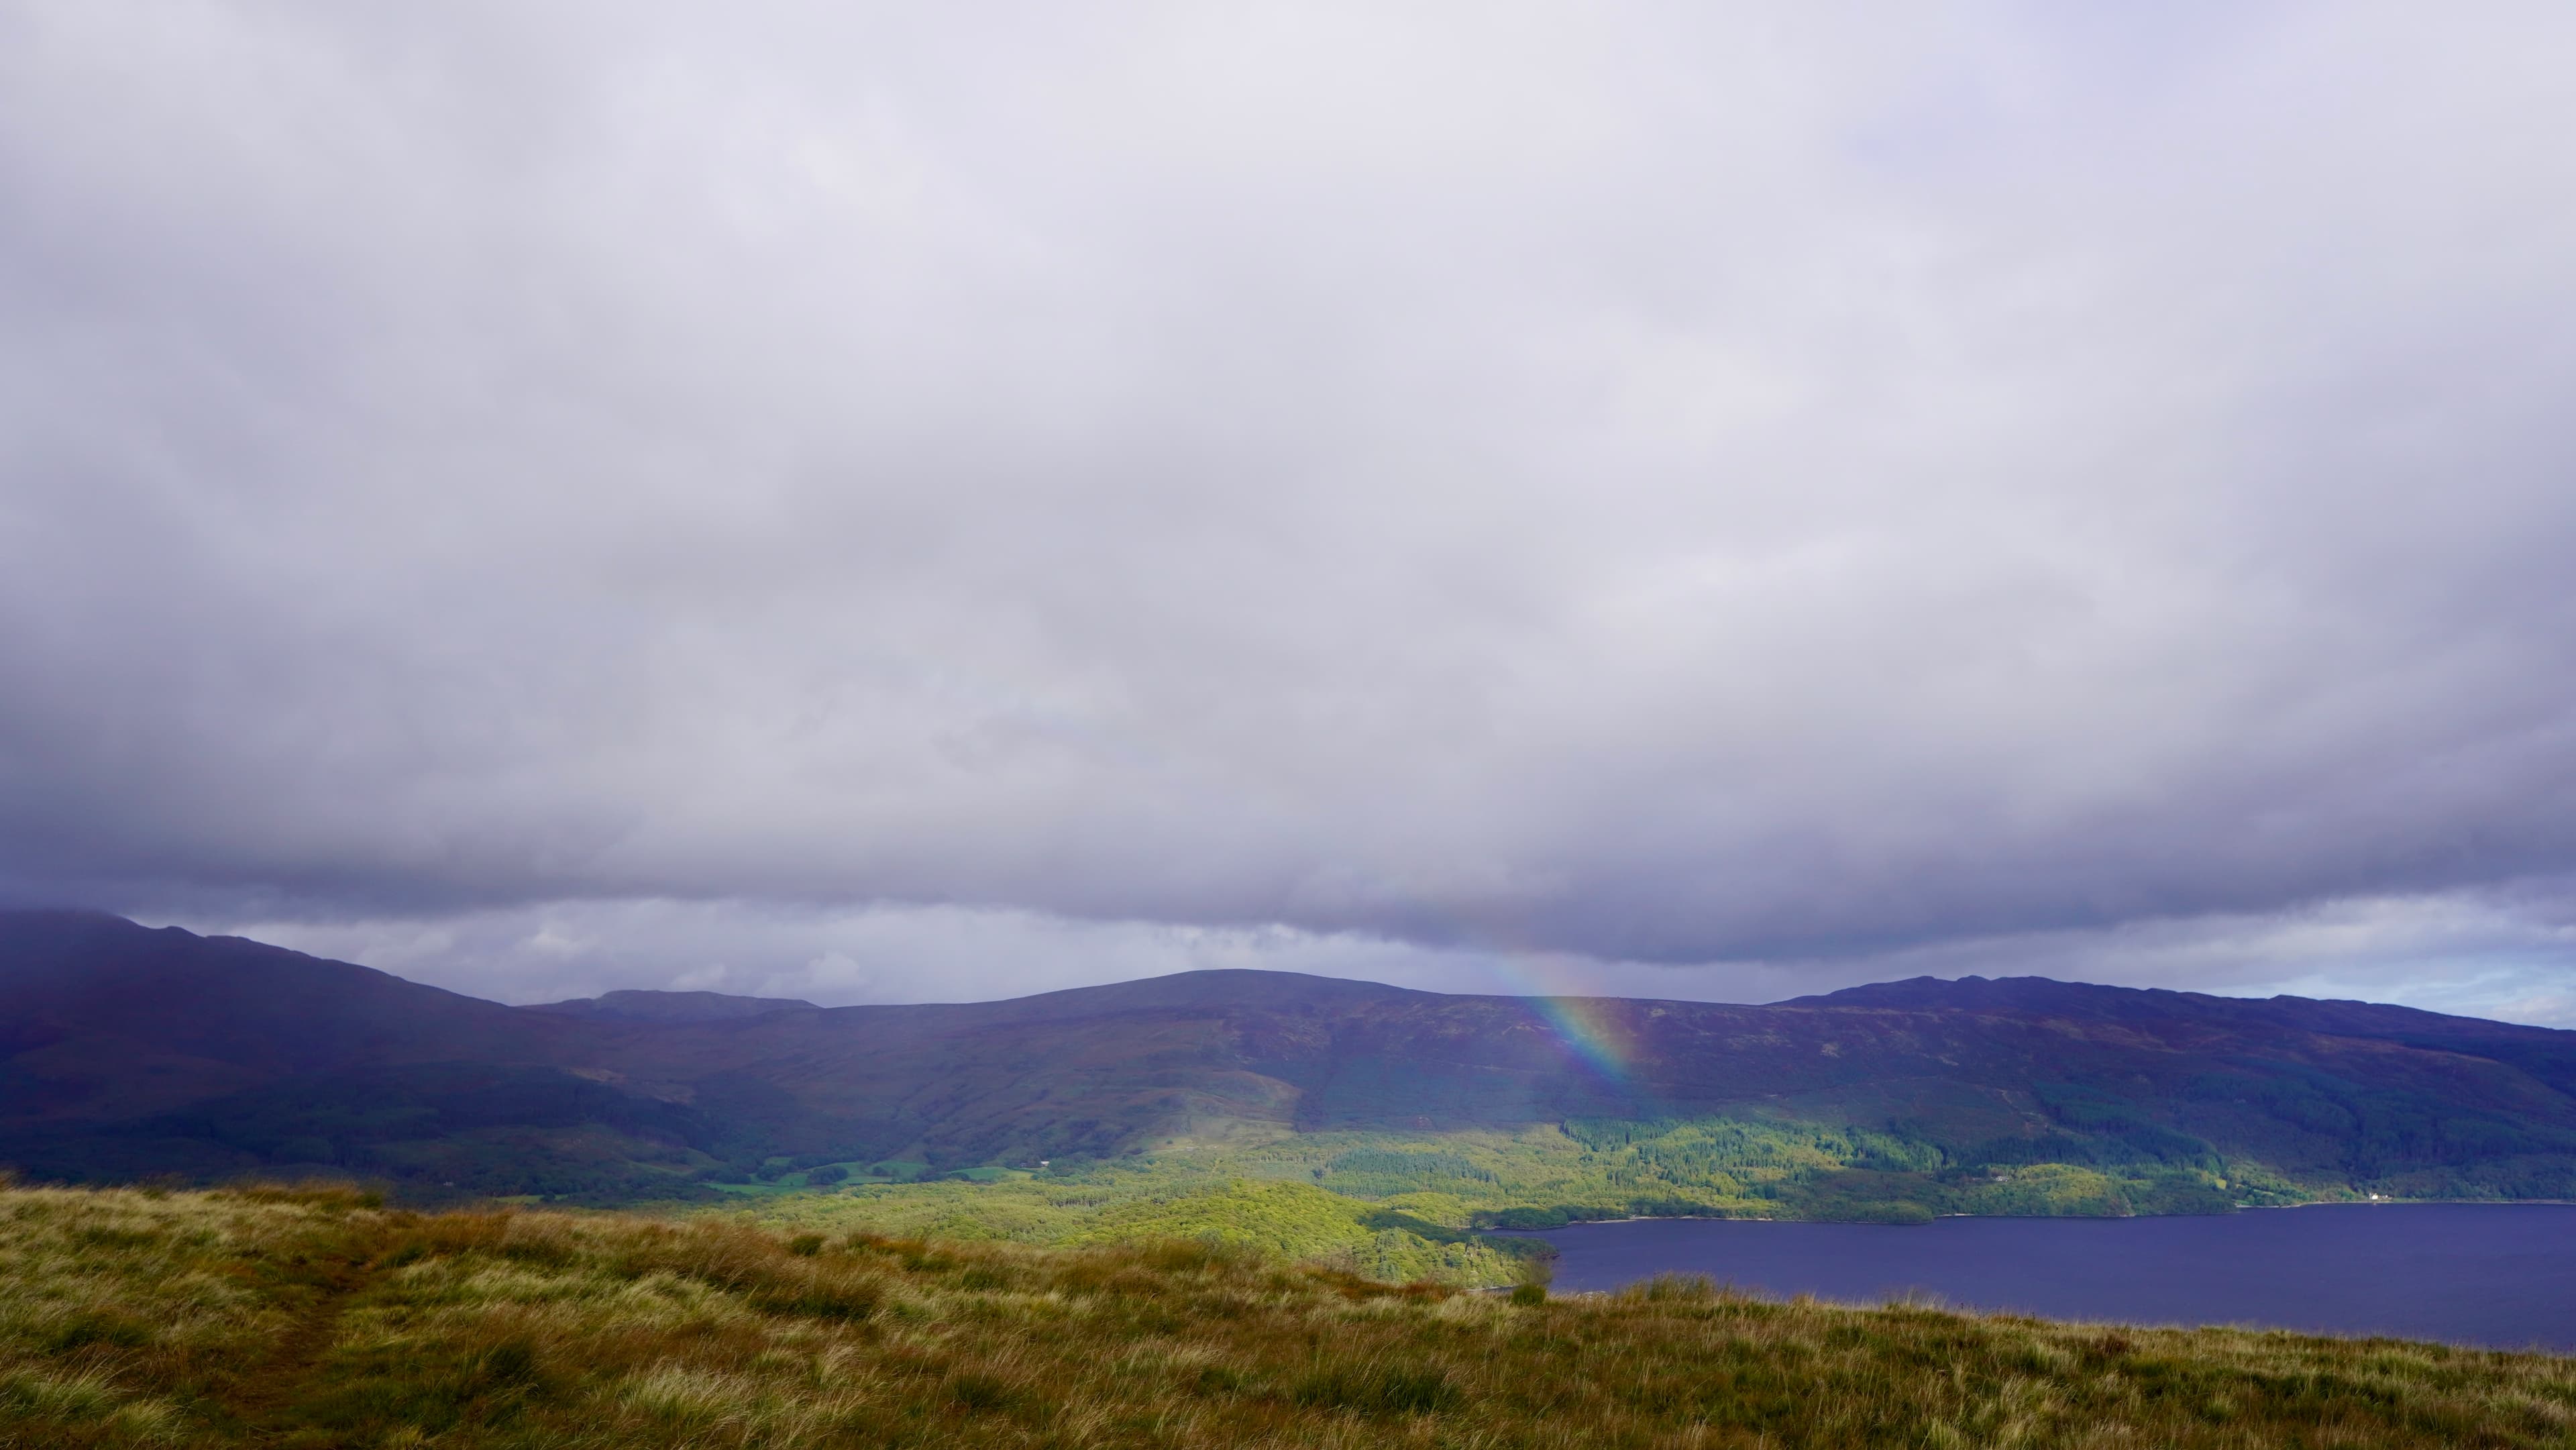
{"x": 260, "y": 1398}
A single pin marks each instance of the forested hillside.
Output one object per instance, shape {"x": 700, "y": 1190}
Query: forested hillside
{"x": 131, "y": 1053}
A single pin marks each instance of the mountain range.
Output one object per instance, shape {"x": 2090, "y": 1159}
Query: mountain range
{"x": 129, "y": 1053}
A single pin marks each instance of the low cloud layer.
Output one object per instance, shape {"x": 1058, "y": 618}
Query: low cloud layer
{"x": 1806, "y": 491}
{"x": 2481, "y": 954}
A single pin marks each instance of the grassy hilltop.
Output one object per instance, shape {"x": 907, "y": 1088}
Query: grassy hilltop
{"x": 276, "y": 1317}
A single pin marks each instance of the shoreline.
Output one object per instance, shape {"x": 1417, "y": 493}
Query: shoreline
{"x": 2050, "y": 1217}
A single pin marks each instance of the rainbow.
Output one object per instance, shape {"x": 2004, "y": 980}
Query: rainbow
{"x": 1587, "y": 1023}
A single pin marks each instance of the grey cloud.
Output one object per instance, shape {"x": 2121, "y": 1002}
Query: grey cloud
{"x": 1782, "y": 487}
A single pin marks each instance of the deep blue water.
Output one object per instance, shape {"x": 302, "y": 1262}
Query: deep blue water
{"x": 2501, "y": 1275}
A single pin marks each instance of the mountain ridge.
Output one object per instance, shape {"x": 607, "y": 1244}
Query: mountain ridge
{"x": 645, "y": 1005}
{"x": 2033, "y": 993}
{"x": 125, "y": 1050}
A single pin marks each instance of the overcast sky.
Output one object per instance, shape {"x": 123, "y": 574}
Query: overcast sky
{"x": 886, "y": 502}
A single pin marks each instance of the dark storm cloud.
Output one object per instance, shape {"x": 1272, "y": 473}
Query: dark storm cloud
{"x": 1639, "y": 486}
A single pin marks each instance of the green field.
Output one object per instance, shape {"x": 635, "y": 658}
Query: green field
{"x": 1412, "y": 1205}
{"x": 316, "y": 1318}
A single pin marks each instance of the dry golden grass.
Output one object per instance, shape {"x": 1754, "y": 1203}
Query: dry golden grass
{"x": 316, "y": 1319}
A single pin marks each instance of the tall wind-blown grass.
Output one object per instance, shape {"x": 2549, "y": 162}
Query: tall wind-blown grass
{"x": 317, "y": 1318}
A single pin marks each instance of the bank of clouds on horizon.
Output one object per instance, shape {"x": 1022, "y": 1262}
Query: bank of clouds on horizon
{"x": 875, "y": 504}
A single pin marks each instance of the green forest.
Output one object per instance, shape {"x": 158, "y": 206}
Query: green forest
{"x": 1406, "y": 1206}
